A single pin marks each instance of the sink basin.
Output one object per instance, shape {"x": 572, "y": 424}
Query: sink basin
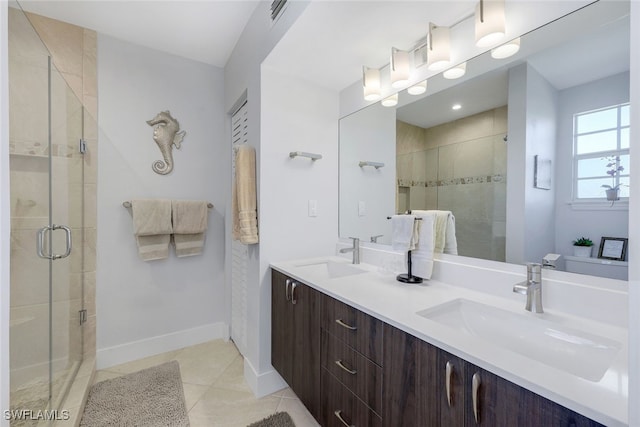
{"x": 330, "y": 269}
{"x": 580, "y": 353}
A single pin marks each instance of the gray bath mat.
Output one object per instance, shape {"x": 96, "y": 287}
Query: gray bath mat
{"x": 152, "y": 397}
{"x": 280, "y": 419}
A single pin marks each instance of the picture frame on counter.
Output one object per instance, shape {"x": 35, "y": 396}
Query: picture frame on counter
{"x": 614, "y": 248}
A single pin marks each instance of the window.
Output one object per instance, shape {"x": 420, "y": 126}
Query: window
{"x": 601, "y": 144}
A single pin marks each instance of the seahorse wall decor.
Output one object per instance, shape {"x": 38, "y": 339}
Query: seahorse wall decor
{"x": 166, "y": 133}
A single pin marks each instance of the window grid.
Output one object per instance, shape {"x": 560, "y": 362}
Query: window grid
{"x": 618, "y": 151}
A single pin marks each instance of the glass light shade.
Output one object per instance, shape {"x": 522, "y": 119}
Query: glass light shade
{"x": 455, "y": 72}
{"x": 371, "y": 83}
{"x": 418, "y": 88}
{"x": 506, "y": 50}
{"x": 390, "y": 101}
{"x": 438, "y": 48}
{"x": 490, "y": 22}
{"x": 400, "y": 68}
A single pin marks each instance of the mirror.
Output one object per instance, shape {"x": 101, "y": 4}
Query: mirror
{"x": 503, "y": 162}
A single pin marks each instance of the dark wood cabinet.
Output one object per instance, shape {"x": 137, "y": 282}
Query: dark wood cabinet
{"x": 349, "y": 368}
{"x": 295, "y": 338}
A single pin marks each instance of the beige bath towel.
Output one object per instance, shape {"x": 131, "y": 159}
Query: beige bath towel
{"x": 445, "y": 229}
{"x": 244, "y": 202}
{"x": 152, "y": 227}
{"x": 189, "y": 225}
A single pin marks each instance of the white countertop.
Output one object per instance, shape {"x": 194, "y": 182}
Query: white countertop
{"x": 397, "y": 304}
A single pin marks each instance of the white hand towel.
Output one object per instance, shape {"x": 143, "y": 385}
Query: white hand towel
{"x": 189, "y": 225}
{"x": 152, "y": 227}
{"x": 422, "y": 256}
{"x": 403, "y": 232}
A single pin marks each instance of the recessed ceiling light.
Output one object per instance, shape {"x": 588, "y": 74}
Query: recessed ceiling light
{"x": 456, "y": 106}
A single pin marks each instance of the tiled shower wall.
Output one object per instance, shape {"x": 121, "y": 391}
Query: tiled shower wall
{"x": 73, "y": 51}
{"x": 459, "y": 166}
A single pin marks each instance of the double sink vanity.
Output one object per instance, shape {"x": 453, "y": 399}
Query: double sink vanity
{"x": 362, "y": 349}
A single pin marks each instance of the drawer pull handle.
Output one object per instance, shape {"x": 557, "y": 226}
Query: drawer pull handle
{"x": 344, "y": 368}
{"x": 294, "y": 285}
{"x": 449, "y": 371}
{"x": 287, "y": 284}
{"x": 338, "y": 414}
{"x": 344, "y": 325}
{"x": 475, "y": 386}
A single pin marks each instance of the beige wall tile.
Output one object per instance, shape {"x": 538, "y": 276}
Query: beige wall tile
{"x": 90, "y": 292}
{"x": 89, "y": 336}
{"x": 409, "y": 138}
{"x": 500, "y": 120}
{"x": 63, "y": 40}
{"x": 89, "y": 63}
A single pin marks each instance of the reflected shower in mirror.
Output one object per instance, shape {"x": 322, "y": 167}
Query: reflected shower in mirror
{"x": 469, "y": 146}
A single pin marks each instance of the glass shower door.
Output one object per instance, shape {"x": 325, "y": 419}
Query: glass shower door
{"x": 46, "y": 172}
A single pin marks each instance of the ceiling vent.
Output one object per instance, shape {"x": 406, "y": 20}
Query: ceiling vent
{"x": 277, "y": 6}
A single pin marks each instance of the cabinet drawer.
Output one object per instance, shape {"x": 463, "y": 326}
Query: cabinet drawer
{"x": 357, "y": 329}
{"x": 342, "y": 408}
{"x": 356, "y": 372}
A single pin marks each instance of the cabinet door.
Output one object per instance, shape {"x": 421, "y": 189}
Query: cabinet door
{"x": 306, "y": 346}
{"x": 493, "y": 401}
{"x": 450, "y": 388}
{"x": 401, "y": 402}
{"x": 281, "y": 327}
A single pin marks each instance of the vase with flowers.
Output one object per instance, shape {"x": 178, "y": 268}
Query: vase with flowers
{"x": 613, "y": 169}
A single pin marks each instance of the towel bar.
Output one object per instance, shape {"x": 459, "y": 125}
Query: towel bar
{"x": 312, "y": 156}
{"x": 376, "y": 165}
{"x": 127, "y": 204}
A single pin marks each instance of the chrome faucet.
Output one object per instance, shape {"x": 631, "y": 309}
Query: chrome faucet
{"x": 355, "y": 249}
{"x": 532, "y": 287}
{"x": 374, "y": 239}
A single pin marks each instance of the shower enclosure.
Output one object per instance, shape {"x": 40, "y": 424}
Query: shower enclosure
{"x": 47, "y": 223}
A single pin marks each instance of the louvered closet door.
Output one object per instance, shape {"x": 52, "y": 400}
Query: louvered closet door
{"x": 239, "y": 251}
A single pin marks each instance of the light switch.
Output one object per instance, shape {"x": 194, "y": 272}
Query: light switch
{"x": 362, "y": 208}
{"x": 313, "y": 208}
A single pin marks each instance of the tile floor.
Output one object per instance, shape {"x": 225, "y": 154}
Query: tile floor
{"x": 216, "y": 393}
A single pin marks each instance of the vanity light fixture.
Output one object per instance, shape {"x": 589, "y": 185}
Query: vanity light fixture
{"x": 455, "y": 72}
{"x": 418, "y": 88}
{"x": 490, "y": 22}
{"x": 438, "y": 47}
{"x": 390, "y": 101}
{"x": 456, "y": 106}
{"x": 371, "y": 83}
{"x": 400, "y": 68}
{"x": 506, "y": 50}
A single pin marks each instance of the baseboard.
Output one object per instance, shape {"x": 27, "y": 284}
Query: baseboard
{"x": 111, "y": 356}
{"x": 265, "y": 383}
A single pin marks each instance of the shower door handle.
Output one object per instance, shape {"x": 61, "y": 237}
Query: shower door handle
{"x": 67, "y": 231}
{"x": 40, "y": 241}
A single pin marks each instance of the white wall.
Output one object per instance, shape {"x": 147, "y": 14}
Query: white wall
{"x": 242, "y": 79}
{"x": 541, "y": 111}
{"x": 369, "y": 135}
{"x": 532, "y": 131}
{"x": 516, "y": 157}
{"x": 604, "y": 220}
{"x": 150, "y": 307}
{"x": 5, "y": 230}
{"x": 634, "y": 226}
{"x": 295, "y": 116}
